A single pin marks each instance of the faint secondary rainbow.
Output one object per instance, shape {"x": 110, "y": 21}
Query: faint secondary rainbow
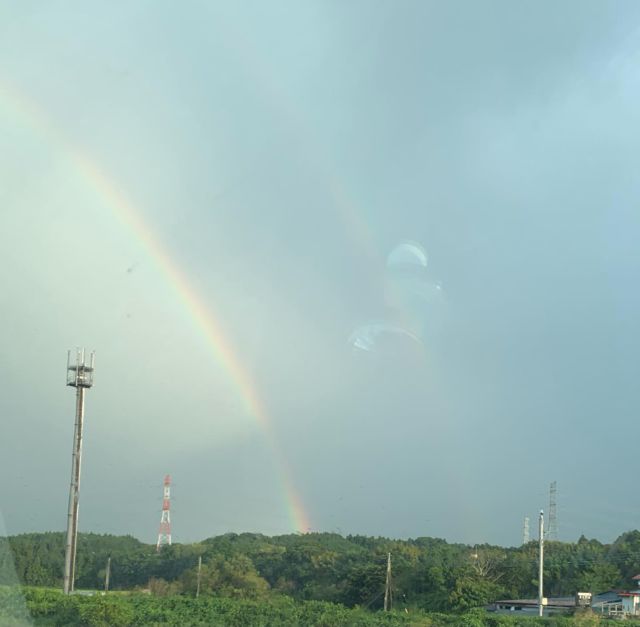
{"x": 355, "y": 221}
{"x": 37, "y": 120}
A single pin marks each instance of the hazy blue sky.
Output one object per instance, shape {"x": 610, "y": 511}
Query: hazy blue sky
{"x": 276, "y": 153}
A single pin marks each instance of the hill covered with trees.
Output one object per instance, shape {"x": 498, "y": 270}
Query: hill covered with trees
{"x": 428, "y": 573}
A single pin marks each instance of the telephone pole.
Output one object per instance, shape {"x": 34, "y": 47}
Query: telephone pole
{"x": 79, "y": 376}
{"x": 541, "y": 564}
{"x": 388, "y": 601}
{"x": 107, "y": 574}
{"x": 198, "y": 580}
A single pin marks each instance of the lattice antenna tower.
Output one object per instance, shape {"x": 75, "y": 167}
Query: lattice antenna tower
{"x": 79, "y": 376}
{"x": 164, "y": 531}
{"x": 552, "y": 533}
{"x": 525, "y": 531}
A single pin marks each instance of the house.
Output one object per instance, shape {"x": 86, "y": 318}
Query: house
{"x": 631, "y": 600}
{"x": 608, "y": 603}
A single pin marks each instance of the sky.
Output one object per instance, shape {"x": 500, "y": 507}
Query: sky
{"x": 356, "y": 267}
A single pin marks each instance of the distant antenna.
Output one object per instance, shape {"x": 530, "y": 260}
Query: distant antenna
{"x": 164, "y": 532}
{"x": 552, "y": 532}
{"x": 525, "y": 531}
{"x": 79, "y": 376}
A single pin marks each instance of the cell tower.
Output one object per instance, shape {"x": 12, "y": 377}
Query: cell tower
{"x": 79, "y": 376}
{"x": 164, "y": 532}
{"x": 525, "y": 531}
{"x": 552, "y": 532}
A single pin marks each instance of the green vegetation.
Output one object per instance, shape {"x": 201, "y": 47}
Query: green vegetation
{"x": 311, "y": 579}
{"x": 52, "y": 608}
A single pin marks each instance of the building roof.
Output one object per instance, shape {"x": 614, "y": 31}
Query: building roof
{"x": 611, "y": 596}
{"x": 605, "y": 597}
{"x": 551, "y": 602}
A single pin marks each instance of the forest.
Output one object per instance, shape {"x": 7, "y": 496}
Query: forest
{"x": 428, "y": 574}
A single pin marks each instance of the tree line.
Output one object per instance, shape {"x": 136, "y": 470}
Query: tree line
{"x": 429, "y": 574}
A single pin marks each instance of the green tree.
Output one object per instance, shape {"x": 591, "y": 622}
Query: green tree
{"x": 235, "y": 576}
{"x": 365, "y": 585}
{"x": 471, "y": 591}
{"x": 161, "y": 588}
{"x": 599, "y": 577}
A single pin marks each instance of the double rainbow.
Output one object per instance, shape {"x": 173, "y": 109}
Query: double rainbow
{"x": 36, "y": 120}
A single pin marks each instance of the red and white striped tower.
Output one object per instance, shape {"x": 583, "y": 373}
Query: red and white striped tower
{"x": 164, "y": 532}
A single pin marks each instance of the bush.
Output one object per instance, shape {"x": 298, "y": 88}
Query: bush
{"x": 13, "y": 610}
{"x": 52, "y": 608}
{"x": 101, "y": 611}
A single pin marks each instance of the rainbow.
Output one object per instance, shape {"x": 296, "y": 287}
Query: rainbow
{"x": 36, "y": 120}
{"x": 350, "y": 213}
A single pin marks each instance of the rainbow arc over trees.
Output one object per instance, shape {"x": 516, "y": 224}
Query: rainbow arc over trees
{"x": 35, "y": 119}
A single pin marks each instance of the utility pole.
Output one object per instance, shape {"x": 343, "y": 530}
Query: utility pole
{"x": 541, "y": 564}
{"x": 107, "y": 574}
{"x": 198, "y": 580}
{"x": 525, "y": 531}
{"x": 388, "y": 601}
{"x": 79, "y": 376}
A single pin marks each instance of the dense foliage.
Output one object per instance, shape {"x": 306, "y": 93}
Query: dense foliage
{"x": 43, "y": 607}
{"x": 428, "y": 574}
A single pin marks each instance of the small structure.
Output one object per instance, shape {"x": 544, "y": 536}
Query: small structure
{"x": 631, "y": 600}
{"x": 583, "y": 599}
{"x": 530, "y": 607}
{"x": 606, "y": 603}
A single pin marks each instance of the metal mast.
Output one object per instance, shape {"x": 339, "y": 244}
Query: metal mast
{"x": 552, "y": 531}
{"x": 79, "y": 376}
{"x": 164, "y": 532}
{"x": 387, "y": 586}
{"x": 525, "y": 531}
{"x": 541, "y": 599}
